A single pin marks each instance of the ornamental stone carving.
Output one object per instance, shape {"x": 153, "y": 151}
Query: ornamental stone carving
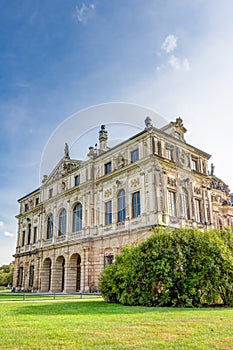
{"x": 135, "y": 182}
{"x": 219, "y": 185}
{"x": 108, "y": 193}
{"x": 120, "y": 161}
{"x": 197, "y": 190}
{"x": 67, "y": 167}
{"x": 171, "y": 181}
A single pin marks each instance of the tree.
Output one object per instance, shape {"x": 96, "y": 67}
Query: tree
{"x": 6, "y": 274}
{"x": 174, "y": 267}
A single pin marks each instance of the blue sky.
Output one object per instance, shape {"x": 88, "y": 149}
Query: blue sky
{"x": 58, "y": 57}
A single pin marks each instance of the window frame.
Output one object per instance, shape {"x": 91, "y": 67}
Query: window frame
{"x": 34, "y": 234}
{"x": 194, "y": 164}
{"x": 168, "y": 153}
{"x": 23, "y": 238}
{"x": 172, "y": 207}
{"x": 107, "y": 168}
{"x": 121, "y": 206}
{"x": 50, "y": 227}
{"x": 134, "y": 155}
{"x": 20, "y": 276}
{"x": 198, "y": 213}
{"x": 62, "y": 222}
{"x": 136, "y": 204}
{"x": 29, "y": 231}
{"x": 31, "y": 275}
{"x": 108, "y": 213}
{"x": 77, "y": 218}
{"x": 77, "y": 180}
{"x": 50, "y": 193}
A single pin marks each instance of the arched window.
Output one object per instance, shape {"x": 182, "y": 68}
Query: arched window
{"x": 20, "y": 277}
{"x": 23, "y": 238}
{"x": 31, "y": 275}
{"x": 121, "y": 206}
{"x": 62, "y": 223}
{"x": 77, "y": 218}
{"x": 29, "y": 233}
{"x": 50, "y": 227}
{"x": 185, "y": 212}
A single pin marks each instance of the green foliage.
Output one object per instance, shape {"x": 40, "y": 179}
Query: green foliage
{"x": 174, "y": 267}
{"x": 6, "y": 274}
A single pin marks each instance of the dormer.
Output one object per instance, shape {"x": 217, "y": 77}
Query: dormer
{"x": 175, "y": 129}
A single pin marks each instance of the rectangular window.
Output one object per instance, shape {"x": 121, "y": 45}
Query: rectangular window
{"x": 159, "y": 148}
{"x": 108, "y": 168}
{"x": 172, "y": 203}
{"x": 197, "y": 203}
{"x": 134, "y": 155}
{"x": 194, "y": 164}
{"x": 26, "y": 207}
{"x": 136, "y": 205}
{"x": 208, "y": 210}
{"x": 77, "y": 180}
{"x": 35, "y": 235}
{"x": 121, "y": 206}
{"x": 168, "y": 153}
{"x": 108, "y": 213}
{"x": 36, "y": 201}
{"x": 50, "y": 193}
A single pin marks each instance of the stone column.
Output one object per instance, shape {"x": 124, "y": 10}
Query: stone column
{"x": 85, "y": 270}
{"x": 45, "y": 279}
{"x": 69, "y": 218}
{"x": 16, "y": 273}
{"x": 70, "y": 279}
{"x": 56, "y": 281}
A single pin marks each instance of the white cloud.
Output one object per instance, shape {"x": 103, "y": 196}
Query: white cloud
{"x": 186, "y": 64}
{"x": 169, "y": 43}
{"x": 176, "y": 63}
{"x": 83, "y": 13}
{"x": 1, "y": 223}
{"x": 8, "y": 234}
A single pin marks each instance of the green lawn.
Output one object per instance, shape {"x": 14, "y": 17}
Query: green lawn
{"x": 90, "y": 324}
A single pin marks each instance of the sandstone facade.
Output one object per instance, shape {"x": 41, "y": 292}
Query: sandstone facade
{"x": 71, "y": 227}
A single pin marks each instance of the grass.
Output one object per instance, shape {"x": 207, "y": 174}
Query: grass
{"x": 89, "y": 324}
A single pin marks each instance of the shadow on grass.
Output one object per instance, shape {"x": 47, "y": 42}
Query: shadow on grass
{"x": 91, "y": 308}
{"x": 79, "y": 308}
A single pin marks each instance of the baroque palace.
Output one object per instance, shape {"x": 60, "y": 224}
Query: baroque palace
{"x": 71, "y": 227}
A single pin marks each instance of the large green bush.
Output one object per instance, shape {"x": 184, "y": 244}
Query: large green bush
{"x": 174, "y": 267}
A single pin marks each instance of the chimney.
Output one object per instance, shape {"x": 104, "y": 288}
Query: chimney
{"x": 103, "y": 138}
